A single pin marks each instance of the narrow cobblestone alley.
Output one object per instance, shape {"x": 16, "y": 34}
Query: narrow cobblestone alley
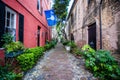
{"x": 57, "y": 64}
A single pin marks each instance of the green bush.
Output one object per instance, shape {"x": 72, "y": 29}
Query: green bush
{"x": 102, "y": 64}
{"x": 105, "y": 63}
{"x": 7, "y": 38}
{"x": 38, "y": 52}
{"x": 14, "y": 47}
{"x": 5, "y": 74}
{"x": 30, "y": 57}
{"x": 76, "y": 51}
{"x": 50, "y": 45}
{"x": 26, "y": 61}
{"x": 73, "y": 45}
{"x": 53, "y": 43}
{"x": 47, "y": 46}
{"x": 65, "y": 42}
{"x": 88, "y": 48}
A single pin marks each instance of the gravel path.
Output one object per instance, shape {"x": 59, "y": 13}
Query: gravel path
{"x": 57, "y": 64}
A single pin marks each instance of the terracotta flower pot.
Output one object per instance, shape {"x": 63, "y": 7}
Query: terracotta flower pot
{"x": 2, "y": 56}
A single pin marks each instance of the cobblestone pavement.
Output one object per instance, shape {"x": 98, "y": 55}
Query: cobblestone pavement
{"x": 57, "y": 64}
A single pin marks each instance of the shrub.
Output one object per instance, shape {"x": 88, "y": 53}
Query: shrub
{"x": 65, "y": 42}
{"x": 5, "y": 74}
{"x": 105, "y": 63}
{"x": 53, "y": 43}
{"x": 47, "y": 46}
{"x": 88, "y": 48}
{"x": 29, "y": 57}
{"x": 26, "y": 61}
{"x": 38, "y": 52}
{"x": 76, "y": 51}
{"x": 50, "y": 45}
{"x": 73, "y": 45}
{"x": 7, "y": 38}
{"x": 100, "y": 63}
{"x": 14, "y": 47}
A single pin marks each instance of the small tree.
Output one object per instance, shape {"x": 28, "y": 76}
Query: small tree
{"x": 60, "y": 8}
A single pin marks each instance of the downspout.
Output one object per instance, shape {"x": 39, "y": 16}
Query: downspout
{"x": 100, "y": 24}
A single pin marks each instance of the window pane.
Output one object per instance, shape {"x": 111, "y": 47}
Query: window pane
{"x": 12, "y": 20}
{"x": 8, "y": 23}
{"x": 12, "y": 23}
{"x": 13, "y": 32}
{"x": 38, "y": 4}
{"x": 8, "y": 15}
{"x": 12, "y": 16}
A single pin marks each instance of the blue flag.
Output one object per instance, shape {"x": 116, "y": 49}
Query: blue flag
{"x": 51, "y": 18}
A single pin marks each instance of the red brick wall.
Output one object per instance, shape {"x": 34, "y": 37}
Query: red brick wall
{"x": 2, "y": 57}
{"x": 32, "y": 19}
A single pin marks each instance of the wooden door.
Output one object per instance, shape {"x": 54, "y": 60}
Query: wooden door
{"x": 92, "y": 35}
{"x": 38, "y": 36}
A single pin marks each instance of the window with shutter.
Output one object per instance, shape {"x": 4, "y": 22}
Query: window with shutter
{"x": 10, "y": 22}
{"x": 39, "y": 6}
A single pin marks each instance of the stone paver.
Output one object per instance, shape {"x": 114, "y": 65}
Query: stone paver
{"x": 57, "y": 64}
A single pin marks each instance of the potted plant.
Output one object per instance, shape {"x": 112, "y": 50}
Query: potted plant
{"x": 13, "y": 49}
{"x": 68, "y": 46}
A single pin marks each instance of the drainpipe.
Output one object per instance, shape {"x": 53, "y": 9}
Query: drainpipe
{"x": 100, "y": 24}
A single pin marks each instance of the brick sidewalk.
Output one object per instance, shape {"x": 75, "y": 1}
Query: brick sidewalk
{"x": 57, "y": 64}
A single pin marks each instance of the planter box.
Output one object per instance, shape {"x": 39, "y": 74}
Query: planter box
{"x": 13, "y": 54}
{"x": 10, "y": 58}
{"x": 2, "y": 56}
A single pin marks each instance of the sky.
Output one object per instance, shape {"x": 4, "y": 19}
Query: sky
{"x": 70, "y": 5}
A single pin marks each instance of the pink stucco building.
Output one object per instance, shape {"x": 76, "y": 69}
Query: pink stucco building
{"x": 25, "y": 20}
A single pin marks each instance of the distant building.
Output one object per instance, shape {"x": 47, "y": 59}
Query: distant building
{"x": 84, "y": 23}
{"x": 54, "y": 32}
{"x": 25, "y": 20}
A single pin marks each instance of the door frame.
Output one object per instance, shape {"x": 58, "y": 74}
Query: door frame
{"x": 92, "y": 36}
{"x": 38, "y": 36}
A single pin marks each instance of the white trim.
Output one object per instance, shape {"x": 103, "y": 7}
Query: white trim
{"x": 11, "y": 12}
{"x": 12, "y": 22}
{"x": 39, "y": 2}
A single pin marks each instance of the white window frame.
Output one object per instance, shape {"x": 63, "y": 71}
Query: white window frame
{"x": 40, "y": 5}
{"x": 11, "y": 26}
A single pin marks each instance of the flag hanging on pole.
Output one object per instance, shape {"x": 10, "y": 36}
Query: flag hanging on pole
{"x": 51, "y": 18}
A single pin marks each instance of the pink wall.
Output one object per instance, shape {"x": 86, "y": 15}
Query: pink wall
{"x": 32, "y": 19}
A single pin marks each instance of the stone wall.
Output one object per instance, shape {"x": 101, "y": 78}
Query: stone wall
{"x": 110, "y": 24}
{"x": 117, "y": 21}
{"x": 86, "y": 14}
{"x": 110, "y": 15}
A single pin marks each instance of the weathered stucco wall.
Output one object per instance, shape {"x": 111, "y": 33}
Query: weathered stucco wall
{"x": 86, "y": 14}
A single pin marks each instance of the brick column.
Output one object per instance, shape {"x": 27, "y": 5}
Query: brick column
{"x": 2, "y": 57}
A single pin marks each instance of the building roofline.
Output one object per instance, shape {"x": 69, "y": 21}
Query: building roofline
{"x": 71, "y": 9}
